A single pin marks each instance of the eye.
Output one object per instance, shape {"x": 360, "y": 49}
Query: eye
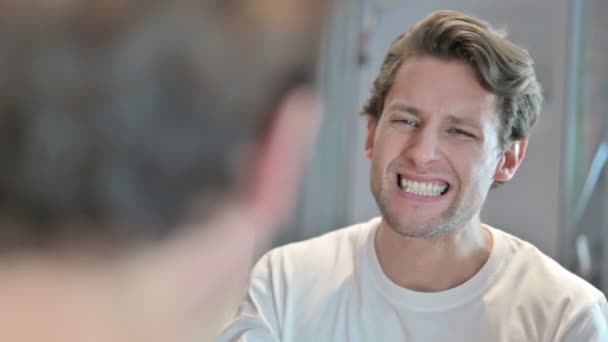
{"x": 457, "y": 131}
{"x": 406, "y": 122}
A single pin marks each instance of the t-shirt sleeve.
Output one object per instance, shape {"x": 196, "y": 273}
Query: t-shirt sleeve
{"x": 591, "y": 325}
{"x": 256, "y": 318}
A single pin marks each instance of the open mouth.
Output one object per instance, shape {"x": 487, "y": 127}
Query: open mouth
{"x": 426, "y": 189}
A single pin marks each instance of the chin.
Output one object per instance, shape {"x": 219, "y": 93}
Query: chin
{"x": 420, "y": 233}
{"x": 420, "y": 230}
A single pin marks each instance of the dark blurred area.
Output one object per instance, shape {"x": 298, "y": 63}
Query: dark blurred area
{"x": 114, "y": 114}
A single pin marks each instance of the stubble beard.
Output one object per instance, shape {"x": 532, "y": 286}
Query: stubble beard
{"x": 461, "y": 211}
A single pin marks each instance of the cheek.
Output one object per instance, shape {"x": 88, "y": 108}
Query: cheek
{"x": 386, "y": 149}
{"x": 484, "y": 174}
{"x": 470, "y": 165}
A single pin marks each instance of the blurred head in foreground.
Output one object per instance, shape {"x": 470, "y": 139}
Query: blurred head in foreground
{"x": 144, "y": 147}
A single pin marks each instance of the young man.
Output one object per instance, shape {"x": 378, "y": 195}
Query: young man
{"x": 146, "y": 147}
{"x": 448, "y": 118}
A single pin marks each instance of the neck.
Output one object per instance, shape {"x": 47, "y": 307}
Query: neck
{"x": 433, "y": 264}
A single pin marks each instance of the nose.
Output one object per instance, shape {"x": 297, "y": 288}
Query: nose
{"x": 422, "y": 149}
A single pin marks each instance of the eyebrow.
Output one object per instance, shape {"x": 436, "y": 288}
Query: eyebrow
{"x": 404, "y": 108}
{"x": 463, "y": 121}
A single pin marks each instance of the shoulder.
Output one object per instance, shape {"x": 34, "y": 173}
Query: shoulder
{"x": 298, "y": 277}
{"x": 590, "y": 325}
{"x": 535, "y": 267}
{"x": 543, "y": 288}
{"x": 335, "y": 251}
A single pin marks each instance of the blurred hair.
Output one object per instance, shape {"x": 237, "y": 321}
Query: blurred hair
{"x": 501, "y": 67}
{"x": 117, "y": 117}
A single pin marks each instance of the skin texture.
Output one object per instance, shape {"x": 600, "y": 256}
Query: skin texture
{"x": 440, "y": 126}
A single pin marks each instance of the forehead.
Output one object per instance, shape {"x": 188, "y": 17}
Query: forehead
{"x": 438, "y": 87}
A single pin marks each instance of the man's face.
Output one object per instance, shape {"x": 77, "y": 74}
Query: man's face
{"x": 434, "y": 151}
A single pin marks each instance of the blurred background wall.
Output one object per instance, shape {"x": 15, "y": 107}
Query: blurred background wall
{"x": 559, "y": 198}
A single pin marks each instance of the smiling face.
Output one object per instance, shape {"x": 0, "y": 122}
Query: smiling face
{"x": 435, "y": 150}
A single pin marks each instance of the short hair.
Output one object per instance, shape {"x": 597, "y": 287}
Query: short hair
{"x": 501, "y": 67}
{"x": 117, "y": 118}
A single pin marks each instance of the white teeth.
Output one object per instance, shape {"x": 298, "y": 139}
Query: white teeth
{"x": 422, "y": 189}
{"x": 416, "y": 187}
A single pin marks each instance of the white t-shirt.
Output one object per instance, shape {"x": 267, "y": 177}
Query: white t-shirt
{"x": 332, "y": 288}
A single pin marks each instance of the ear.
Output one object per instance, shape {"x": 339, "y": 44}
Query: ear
{"x": 369, "y": 139}
{"x": 274, "y": 179}
{"x": 511, "y": 160}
